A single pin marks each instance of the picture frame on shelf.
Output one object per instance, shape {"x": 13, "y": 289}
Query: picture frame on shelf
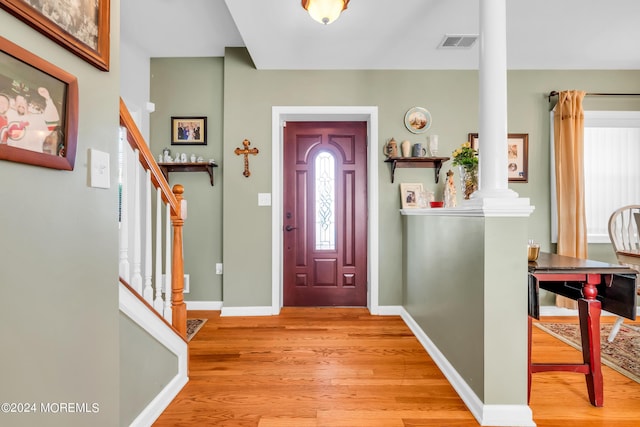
{"x": 38, "y": 110}
{"x": 517, "y": 154}
{"x": 188, "y": 130}
{"x": 417, "y": 120}
{"x": 80, "y": 27}
{"x": 411, "y": 195}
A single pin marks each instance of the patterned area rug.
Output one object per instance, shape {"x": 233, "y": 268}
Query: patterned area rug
{"x": 622, "y": 355}
{"x": 193, "y": 326}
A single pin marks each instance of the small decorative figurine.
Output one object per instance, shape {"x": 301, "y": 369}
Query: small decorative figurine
{"x": 166, "y": 155}
{"x": 390, "y": 149}
{"x": 450, "y": 191}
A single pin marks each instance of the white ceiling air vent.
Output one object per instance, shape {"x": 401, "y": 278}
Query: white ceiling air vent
{"x": 458, "y": 41}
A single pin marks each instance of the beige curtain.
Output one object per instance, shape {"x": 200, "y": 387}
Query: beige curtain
{"x": 568, "y": 121}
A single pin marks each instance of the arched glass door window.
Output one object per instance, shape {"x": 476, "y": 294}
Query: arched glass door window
{"x": 325, "y": 207}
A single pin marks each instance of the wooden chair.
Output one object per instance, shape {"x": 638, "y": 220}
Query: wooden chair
{"x": 624, "y": 227}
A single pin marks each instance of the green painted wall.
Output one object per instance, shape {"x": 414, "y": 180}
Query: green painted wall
{"x": 59, "y": 268}
{"x": 193, "y": 87}
{"x": 146, "y": 367}
{"x": 444, "y": 288}
{"x": 248, "y": 97}
{"x": 505, "y": 310}
{"x": 466, "y": 287}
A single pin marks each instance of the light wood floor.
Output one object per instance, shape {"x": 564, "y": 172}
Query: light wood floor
{"x": 333, "y": 367}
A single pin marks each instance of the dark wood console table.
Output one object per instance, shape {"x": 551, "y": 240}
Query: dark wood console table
{"x": 595, "y": 285}
{"x": 188, "y": 167}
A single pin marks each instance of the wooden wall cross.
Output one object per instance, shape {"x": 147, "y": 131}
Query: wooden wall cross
{"x": 246, "y": 151}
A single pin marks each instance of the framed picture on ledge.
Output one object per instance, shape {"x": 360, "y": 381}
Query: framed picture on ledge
{"x": 411, "y": 195}
{"x": 517, "y": 155}
{"x": 188, "y": 130}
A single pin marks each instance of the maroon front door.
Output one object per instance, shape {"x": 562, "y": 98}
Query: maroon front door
{"x": 325, "y": 214}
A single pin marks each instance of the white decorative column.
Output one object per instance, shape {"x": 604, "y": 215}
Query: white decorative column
{"x": 493, "y": 102}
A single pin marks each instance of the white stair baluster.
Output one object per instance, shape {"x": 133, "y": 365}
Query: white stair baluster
{"x": 168, "y": 314}
{"x": 136, "y": 281}
{"x": 148, "y": 290}
{"x": 123, "y": 266}
{"x": 157, "y": 302}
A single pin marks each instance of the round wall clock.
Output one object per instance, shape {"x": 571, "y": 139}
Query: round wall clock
{"x": 417, "y": 120}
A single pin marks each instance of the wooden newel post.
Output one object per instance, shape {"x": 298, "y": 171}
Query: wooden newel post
{"x": 178, "y": 307}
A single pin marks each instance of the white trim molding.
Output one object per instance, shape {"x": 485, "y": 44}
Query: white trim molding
{"x": 247, "y": 311}
{"x": 279, "y": 116}
{"x": 486, "y": 415}
{"x": 139, "y": 313}
{"x": 204, "y": 305}
{"x": 390, "y": 310}
{"x": 552, "y": 310}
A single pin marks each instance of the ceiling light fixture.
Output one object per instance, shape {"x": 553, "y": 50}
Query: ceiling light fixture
{"x": 325, "y": 11}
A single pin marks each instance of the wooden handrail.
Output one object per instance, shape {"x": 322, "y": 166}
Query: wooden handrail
{"x": 136, "y": 140}
{"x": 175, "y": 200}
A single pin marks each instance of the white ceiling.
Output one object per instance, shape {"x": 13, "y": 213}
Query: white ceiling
{"x": 387, "y": 34}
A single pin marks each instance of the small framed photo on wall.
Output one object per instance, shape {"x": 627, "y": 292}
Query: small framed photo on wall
{"x": 188, "y": 130}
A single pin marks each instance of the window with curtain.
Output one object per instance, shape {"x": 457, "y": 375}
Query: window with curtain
{"x": 612, "y": 170}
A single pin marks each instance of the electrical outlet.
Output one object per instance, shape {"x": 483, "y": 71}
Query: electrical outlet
{"x": 219, "y": 268}
{"x": 185, "y": 289}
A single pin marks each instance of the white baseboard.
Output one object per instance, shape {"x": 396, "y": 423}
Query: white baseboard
{"x": 486, "y": 415}
{"x": 133, "y": 308}
{"x": 552, "y": 310}
{"x": 383, "y": 310}
{"x": 247, "y": 311}
{"x": 204, "y": 305}
{"x": 390, "y": 310}
{"x": 156, "y": 407}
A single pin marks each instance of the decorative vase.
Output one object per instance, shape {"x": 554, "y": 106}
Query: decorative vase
{"x": 406, "y": 148}
{"x": 469, "y": 180}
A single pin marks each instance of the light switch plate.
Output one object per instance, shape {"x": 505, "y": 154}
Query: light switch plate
{"x": 264, "y": 199}
{"x": 99, "y": 175}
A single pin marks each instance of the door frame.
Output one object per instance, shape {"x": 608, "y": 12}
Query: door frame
{"x": 279, "y": 115}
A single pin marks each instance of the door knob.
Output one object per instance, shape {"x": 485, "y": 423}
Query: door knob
{"x": 290, "y": 228}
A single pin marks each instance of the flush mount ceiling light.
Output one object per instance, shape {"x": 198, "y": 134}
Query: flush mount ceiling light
{"x": 325, "y": 11}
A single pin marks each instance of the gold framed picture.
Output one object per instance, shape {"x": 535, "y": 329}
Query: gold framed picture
{"x": 188, "y": 131}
